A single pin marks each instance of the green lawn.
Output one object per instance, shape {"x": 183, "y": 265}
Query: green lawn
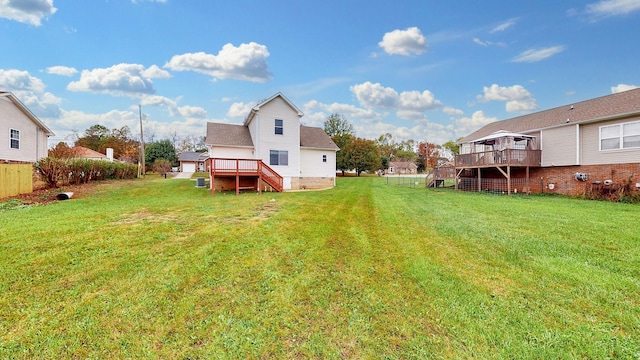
{"x": 160, "y": 269}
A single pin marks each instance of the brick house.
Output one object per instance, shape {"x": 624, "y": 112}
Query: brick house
{"x": 592, "y": 145}
{"x": 402, "y": 168}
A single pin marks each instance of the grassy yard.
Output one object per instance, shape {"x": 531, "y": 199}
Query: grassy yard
{"x": 160, "y": 269}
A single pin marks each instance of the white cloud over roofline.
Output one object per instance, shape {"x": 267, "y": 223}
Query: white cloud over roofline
{"x": 516, "y": 97}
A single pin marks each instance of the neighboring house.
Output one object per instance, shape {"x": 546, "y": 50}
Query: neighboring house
{"x": 272, "y": 140}
{"x": 592, "y": 145}
{"x": 402, "y": 167}
{"x": 23, "y": 141}
{"x": 192, "y": 161}
{"x": 82, "y": 152}
{"x": 24, "y": 137}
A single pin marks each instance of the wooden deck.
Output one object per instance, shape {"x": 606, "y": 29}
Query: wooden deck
{"x": 507, "y": 157}
{"x": 502, "y": 160}
{"x": 253, "y": 170}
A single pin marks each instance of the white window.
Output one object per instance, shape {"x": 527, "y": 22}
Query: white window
{"x": 620, "y": 136}
{"x": 278, "y": 157}
{"x": 15, "y": 139}
{"x": 279, "y": 128}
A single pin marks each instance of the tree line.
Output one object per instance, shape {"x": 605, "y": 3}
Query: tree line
{"x": 160, "y": 155}
{"x": 366, "y": 155}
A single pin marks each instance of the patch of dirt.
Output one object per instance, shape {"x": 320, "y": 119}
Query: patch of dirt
{"x": 43, "y": 195}
{"x": 260, "y": 212}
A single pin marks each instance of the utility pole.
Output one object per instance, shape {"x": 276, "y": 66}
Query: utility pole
{"x": 141, "y": 170}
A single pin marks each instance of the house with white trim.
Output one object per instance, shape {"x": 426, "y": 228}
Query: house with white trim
{"x": 270, "y": 150}
{"x": 24, "y": 137}
{"x": 575, "y": 149}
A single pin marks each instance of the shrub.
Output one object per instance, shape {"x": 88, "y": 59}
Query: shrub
{"x": 55, "y": 171}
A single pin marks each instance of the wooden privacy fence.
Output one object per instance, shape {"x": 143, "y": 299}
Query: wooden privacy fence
{"x": 15, "y": 179}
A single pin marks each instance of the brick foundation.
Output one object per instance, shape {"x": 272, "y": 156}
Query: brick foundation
{"x": 564, "y": 178}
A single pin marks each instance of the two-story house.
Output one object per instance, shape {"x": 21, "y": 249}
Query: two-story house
{"x": 270, "y": 150}
{"x": 591, "y": 145}
{"x": 23, "y": 141}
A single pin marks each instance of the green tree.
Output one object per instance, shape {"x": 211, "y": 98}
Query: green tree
{"x": 452, "y": 147}
{"x": 162, "y": 149}
{"x": 363, "y": 155}
{"x": 337, "y": 124}
{"x": 341, "y": 132}
{"x": 99, "y": 138}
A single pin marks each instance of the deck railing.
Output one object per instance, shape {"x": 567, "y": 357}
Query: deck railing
{"x": 507, "y": 157}
{"x": 246, "y": 167}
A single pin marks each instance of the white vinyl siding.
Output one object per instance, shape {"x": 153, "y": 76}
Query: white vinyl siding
{"x": 559, "y": 146}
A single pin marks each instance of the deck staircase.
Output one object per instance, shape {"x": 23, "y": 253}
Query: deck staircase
{"x": 253, "y": 170}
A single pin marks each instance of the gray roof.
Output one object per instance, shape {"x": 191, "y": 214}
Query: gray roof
{"x": 313, "y": 137}
{"x": 621, "y": 104}
{"x": 192, "y": 156}
{"x": 228, "y": 135}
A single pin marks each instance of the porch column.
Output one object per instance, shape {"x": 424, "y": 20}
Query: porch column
{"x": 479, "y": 180}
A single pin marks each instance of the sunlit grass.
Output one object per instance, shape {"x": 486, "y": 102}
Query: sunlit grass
{"x": 159, "y": 268}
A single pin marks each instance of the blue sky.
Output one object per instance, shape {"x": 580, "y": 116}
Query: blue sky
{"x": 421, "y": 70}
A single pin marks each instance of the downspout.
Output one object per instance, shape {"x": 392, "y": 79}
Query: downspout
{"x": 577, "y": 144}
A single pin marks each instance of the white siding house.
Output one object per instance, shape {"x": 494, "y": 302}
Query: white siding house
{"x": 305, "y": 157}
{"x": 23, "y": 137}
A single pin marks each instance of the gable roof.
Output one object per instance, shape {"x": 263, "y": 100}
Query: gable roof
{"x": 26, "y": 111}
{"x": 228, "y": 135}
{"x": 192, "y": 156}
{"x": 256, "y": 108}
{"x": 403, "y": 164}
{"x": 313, "y": 137}
{"x": 86, "y": 153}
{"x": 608, "y": 107}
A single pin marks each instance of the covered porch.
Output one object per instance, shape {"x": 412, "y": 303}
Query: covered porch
{"x": 504, "y": 154}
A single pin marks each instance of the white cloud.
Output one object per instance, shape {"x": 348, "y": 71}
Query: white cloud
{"x": 27, "y": 11}
{"x": 535, "y": 55}
{"x": 407, "y": 104}
{"x": 622, "y": 87}
{"x": 466, "y": 125}
{"x": 418, "y": 101}
{"x": 31, "y": 92}
{"x": 607, "y": 8}
{"x": 192, "y": 112}
{"x": 504, "y": 26}
{"x": 123, "y": 79}
{"x": 375, "y": 95}
{"x": 404, "y": 42}
{"x": 452, "y": 111}
{"x": 61, "y": 70}
{"x": 517, "y": 98}
{"x": 246, "y": 62}
{"x": 156, "y": 100}
{"x": 487, "y": 43}
{"x": 240, "y": 109}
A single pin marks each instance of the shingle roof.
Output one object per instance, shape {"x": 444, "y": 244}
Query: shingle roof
{"x": 192, "y": 156}
{"x": 313, "y": 137}
{"x": 228, "y": 134}
{"x": 605, "y": 107}
{"x": 83, "y": 152}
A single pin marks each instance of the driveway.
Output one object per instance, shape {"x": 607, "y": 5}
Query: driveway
{"x": 183, "y": 175}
